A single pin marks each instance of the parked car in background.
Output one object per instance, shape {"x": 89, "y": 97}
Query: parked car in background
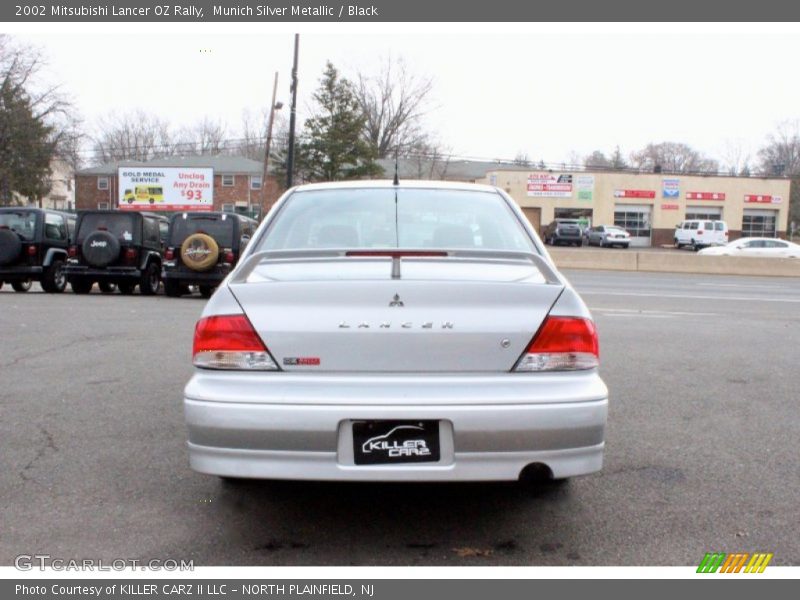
{"x": 33, "y": 247}
{"x": 563, "y": 231}
{"x": 608, "y": 236}
{"x": 411, "y": 332}
{"x": 764, "y": 247}
{"x": 120, "y": 249}
{"x": 202, "y": 248}
{"x": 700, "y": 234}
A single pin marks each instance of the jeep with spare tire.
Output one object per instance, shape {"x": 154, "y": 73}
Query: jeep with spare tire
{"x": 33, "y": 247}
{"x": 118, "y": 250}
{"x": 202, "y": 248}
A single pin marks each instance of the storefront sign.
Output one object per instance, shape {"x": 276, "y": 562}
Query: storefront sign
{"x": 585, "y": 186}
{"x": 671, "y": 188}
{"x": 762, "y": 199}
{"x": 705, "y": 195}
{"x": 634, "y": 194}
{"x": 550, "y": 185}
{"x": 165, "y": 188}
{"x": 670, "y": 206}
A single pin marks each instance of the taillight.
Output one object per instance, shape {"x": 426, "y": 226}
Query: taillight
{"x": 130, "y": 255}
{"x": 562, "y": 344}
{"x": 72, "y": 251}
{"x": 230, "y": 342}
{"x": 229, "y": 257}
{"x": 31, "y": 250}
{"x": 699, "y": 232}
{"x": 170, "y": 254}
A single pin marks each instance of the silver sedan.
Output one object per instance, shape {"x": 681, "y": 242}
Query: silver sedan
{"x": 411, "y": 332}
{"x": 607, "y": 236}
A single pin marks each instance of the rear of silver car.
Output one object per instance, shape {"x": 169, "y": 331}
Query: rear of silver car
{"x": 395, "y": 342}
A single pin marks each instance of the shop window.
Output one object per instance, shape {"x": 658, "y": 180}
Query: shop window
{"x": 759, "y": 224}
{"x": 634, "y": 221}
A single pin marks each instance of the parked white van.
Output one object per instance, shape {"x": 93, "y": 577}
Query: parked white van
{"x": 701, "y": 234}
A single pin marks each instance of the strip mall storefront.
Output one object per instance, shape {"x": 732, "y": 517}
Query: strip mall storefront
{"x": 648, "y": 205}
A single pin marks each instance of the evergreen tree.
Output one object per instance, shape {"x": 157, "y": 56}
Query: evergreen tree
{"x": 332, "y": 146}
{"x": 26, "y": 142}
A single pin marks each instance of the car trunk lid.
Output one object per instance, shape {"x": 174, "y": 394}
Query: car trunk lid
{"x": 371, "y": 314}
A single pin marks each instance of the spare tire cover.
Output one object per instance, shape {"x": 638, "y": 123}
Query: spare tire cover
{"x": 199, "y": 252}
{"x": 10, "y": 246}
{"x": 100, "y": 248}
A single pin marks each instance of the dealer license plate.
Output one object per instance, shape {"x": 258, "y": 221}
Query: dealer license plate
{"x": 395, "y": 442}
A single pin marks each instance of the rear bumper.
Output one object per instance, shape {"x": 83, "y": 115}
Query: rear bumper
{"x": 286, "y": 426}
{"x": 20, "y": 273}
{"x": 72, "y": 271}
{"x": 190, "y": 277}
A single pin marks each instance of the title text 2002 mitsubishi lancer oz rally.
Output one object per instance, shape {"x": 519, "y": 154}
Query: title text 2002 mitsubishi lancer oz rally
{"x": 385, "y": 331}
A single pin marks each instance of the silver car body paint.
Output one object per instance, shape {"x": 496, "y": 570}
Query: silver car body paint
{"x": 444, "y": 353}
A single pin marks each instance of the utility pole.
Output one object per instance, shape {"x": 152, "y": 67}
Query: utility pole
{"x": 293, "y": 116}
{"x": 272, "y": 108}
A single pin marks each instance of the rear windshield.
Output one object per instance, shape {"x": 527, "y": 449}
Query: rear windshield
{"x": 22, "y": 222}
{"x": 418, "y": 218}
{"x": 219, "y": 227}
{"x": 120, "y": 226}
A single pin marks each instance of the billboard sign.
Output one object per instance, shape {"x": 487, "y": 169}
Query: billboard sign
{"x": 762, "y": 199}
{"x": 634, "y": 194}
{"x": 671, "y": 188}
{"x": 165, "y": 188}
{"x": 705, "y": 195}
{"x": 585, "y": 186}
{"x": 550, "y": 185}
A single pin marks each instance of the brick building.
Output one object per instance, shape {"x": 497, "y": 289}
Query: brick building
{"x": 237, "y": 185}
{"x": 648, "y": 205}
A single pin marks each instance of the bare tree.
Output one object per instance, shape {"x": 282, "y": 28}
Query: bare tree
{"x": 393, "y": 102}
{"x": 673, "y": 157}
{"x": 574, "y": 160}
{"x": 781, "y": 154}
{"x": 522, "y": 159}
{"x": 429, "y": 158}
{"x": 781, "y": 157}
{"x": 204, "y": 137}
{"x": 736, "y": 157}
{"x": 251, "y": 137}
{"x": 134, "y": 136}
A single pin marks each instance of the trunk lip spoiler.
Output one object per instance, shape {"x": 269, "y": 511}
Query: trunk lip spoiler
{"x": 249, "y": 264}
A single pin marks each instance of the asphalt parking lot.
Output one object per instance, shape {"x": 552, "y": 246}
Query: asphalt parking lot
{"x": 702, "y": 445}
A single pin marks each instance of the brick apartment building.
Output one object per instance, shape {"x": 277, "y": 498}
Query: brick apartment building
{"x": 237, "y": 185}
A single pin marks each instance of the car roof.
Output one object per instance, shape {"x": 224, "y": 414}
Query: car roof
{"x": 404, "y": 184}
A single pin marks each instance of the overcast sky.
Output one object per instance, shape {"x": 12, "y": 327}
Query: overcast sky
{"x": 494, "y": 95}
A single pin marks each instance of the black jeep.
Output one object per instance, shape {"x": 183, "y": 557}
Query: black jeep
{"x": 33, "y": 247}
{"x": 202, "y": 248}
{"x": 116, "y": 248}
